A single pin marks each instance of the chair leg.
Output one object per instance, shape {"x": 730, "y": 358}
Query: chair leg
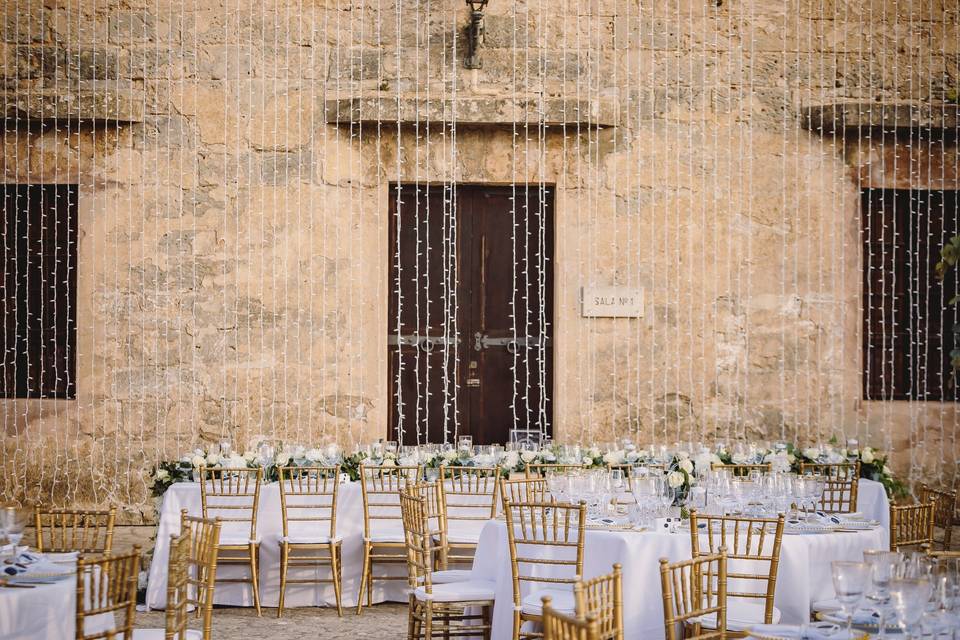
{"x": 411, "y": 619}
{"x": 428, "y": 621}
{"x": 487, "y": 621}
{"x": 363, "y": 576}
{"x": 284, "y": 556}
{"x": 335, "y": 571}
{"x": 255, "y": 576}
{"x": 370, "y": 584}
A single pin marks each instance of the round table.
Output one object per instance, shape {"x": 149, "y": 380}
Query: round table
{"x": 45, "y": 611}
{"x": 803, "y": 576}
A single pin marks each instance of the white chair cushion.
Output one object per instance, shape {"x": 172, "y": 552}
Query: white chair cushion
{"x": 159, "y": 634}
{"x": 387, "y": 536}
{"x": 450, "y": 575}
{"x": 562, "y": 601}
{"x": 464, "y": 532}
{"x": 741, "y": 614}
{"x": 470, "y": 590}
{"x": 235, "y": 539}
{"x": 309, "y": 539}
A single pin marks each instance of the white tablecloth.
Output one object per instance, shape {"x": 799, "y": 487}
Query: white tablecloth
{"x": 803, "y": 576}
{"x": 872, "y": 502}
{"x": 47, "y": 611}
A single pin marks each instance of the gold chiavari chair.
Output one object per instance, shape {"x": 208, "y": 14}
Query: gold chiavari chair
{"x": 178, "y": 600}
{"x": 107, "y": 586}
{"x": 943, "y": 554}
{"x": 543, "y": 469}
{"x": 741, "y": 470}
{"x": 602, "y": 598}
{"x": 80, "y": 530}
{"x": 945, "y": 505}
{"x": 308, "y": 507}
{"x": 523, "y": 490}
{"x": 842, "y": 482}
{"x": 694, "y": 591}
{"x": 383, "y": 535}
{"x": 557, "y": 626}
{"x": 543, "y": 537}
{"x": 748, "y": 542}
{"x": 202, "y": 566}
{"x": 437, "y": 609}
{"x": 233, "y": 495}
{"x": 470, "y": 499}
{"x": 911, "y": 525}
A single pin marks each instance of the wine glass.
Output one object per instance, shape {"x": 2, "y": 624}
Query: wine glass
{"x": 12, "y": 523}
{"x": 465, "y": 444}
{"x": 909, "y": 598}
{"x": 882, "y": 565}
{"x": 226, "y": 447}
{"x": 850, "y": 580}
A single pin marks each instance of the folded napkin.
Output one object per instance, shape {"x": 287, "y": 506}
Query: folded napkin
{"x": 831, "y": 608}
{"x": 18, "y": 564}
{"x": 815, "y": 631}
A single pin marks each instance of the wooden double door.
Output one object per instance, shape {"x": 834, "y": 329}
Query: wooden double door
{"x": 471, "y": 312}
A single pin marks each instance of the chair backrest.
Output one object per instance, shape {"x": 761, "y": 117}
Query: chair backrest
{"x": 233, "y": 495}
{"x": 381, "y": 488}
{"x": 842, "y": 482}
{"x": 523, "y": 490}
{"x": 308, "y": 499}
{"x": 693, "y": 589}
{"x": 107, "y": 584}
{"x": 419, "y": 538}
{"x": 741, "y": 470}
{"x": 201, "y": 565}
{"x": 545, "y": 530}
{"x": 178, "y": 586}
{"x": 541, "y": 470}
{"x": 602, "y": 598}
{"x": 557, "y": 626}
{"x": 470, "y": 492}
{"x": 911, "y": 525}
{"x": 944, "y": 510}
{"x": 81, "y": 530}
{"x": 750, "y": 542}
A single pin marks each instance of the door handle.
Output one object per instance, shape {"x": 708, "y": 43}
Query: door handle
{"x": 481, "y": 342}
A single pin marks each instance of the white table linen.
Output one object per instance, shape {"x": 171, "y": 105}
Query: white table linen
{"x": 46, "y": 611}
{"x": 804, "y": 573}
{"x": 186, "y": 495}
{"x": 872, "y": 502}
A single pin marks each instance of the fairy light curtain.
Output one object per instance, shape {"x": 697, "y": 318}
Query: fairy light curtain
{"x": 231, "y": 243}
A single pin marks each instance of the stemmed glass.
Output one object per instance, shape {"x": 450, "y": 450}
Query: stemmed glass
{"x": 909, "y": 597}
{"x": 882, "y": 566}
{"x": 225, "y": 448}
{"x": 850, "y": 580}
{"x": 12, "y": 524}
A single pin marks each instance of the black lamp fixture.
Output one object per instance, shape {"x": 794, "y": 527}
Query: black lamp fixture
{"x": 474, "y": 34}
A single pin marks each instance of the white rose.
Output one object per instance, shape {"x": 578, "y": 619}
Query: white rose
{"x": 703, "y": 461}
{"x": 299, "y": 452}
{"x": 161, "y": 475}
{"x": 547, "y": 456}
{"x": 686, "y": 465}
{"x": 867, "y": 455}
{"x": 528, "y": 456}
{"x": 213, "y": 460}
{"x": 235, "y": 461}
{"x": 593, "y": 452}
{"x": 281, "y": 458}
{"x": 683, "y": 455}
{"x": 451, "y": 455}
{"x": 250, "y": 456}
{"x": 388, "y": 462}
{"x": 314, "y": 455}
{"x": 811, "y": 452}
{"x": 408, "y": 461}
{"x": 510, "y": 460}
{"x": 198, "y": 461}
{"x": 587, "y": 460}
{"x": 675, "y": 479}
{"x": 614, "y": 457}
{"x": 887, "y": 470}
{"x": 631, "y": 457}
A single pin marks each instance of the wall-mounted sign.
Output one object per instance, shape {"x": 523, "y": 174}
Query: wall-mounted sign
{"x": 612, "y": 302}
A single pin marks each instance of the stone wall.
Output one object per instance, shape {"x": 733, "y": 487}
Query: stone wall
{"x": 233, "y": 244}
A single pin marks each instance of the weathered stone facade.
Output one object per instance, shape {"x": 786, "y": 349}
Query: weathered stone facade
{"x": 233, "y": 241}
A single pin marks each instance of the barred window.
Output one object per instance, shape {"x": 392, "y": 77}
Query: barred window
{"x": 39, "y": 290}
{"x": 907, "y": 319}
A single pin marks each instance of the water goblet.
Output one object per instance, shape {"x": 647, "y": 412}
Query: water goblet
{"x": 850, "y": 581}
{"x": 226, "y": 447}
{"x": 909, "y": 597}
{"x": 882, "y": 564}
{"x": 465, "y": 444}
{"x": 12, "y": 523}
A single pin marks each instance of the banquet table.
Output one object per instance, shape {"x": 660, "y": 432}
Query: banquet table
{"x": 45, "y": 611}
{"x": 803, "y": 576}
{"x": 872, "y": 503}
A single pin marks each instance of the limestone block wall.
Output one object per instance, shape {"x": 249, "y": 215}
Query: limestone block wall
{"x": 233, "y": 251}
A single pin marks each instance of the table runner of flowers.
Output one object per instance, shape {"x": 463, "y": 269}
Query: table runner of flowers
{"x": 681, "y": 465}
